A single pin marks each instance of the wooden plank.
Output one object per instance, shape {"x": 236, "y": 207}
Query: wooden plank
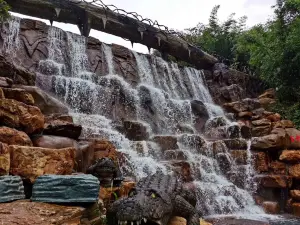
{"x": 88, "y": 16}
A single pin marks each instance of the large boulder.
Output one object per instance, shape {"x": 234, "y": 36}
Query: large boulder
{"x": 18, "y": 94}
{"x": 277, "y": 140}
{"x": 200, "y": 113}
{"x": 294, "y": 171}
{"x": 103, "y": 149}
{"x": 136, "y": 131}
{"x": 274, "y": 181}
{"x": 12, "y": 136}
{"x": 47, "y": 104}
{"x": 261, "y": 162}
{"x": 237, "y": 144}
{"x": 294, "y": 136}
{"x": 277, "y": 167}
{"x": 58, "y": 127}
{"x": 84, "y": 149}
{"x": 31, "y": 162}
{"x": 53, "y": 142}
{"x": 295, "y": 194}
{"x": 290, "y": 156}
{"x": 17, "y": 74}
{"x": 271, "y": 207}
{"x": 21, "y": 116}
{"x": 246, "y": 104}
{"x": 166, "y": 142}
{"x": 66, "y": 189}
{"x": 4, "y": 159}
{"x": 11, "y": 189}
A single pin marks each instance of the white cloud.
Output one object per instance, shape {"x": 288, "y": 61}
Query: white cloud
{"x": 180, "y": 14}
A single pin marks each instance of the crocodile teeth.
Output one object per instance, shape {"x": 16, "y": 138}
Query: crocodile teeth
{"x": 137, "y": 222}
{"x": 145, "y": 220}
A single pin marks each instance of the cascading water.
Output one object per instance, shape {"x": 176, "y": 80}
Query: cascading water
{"x": 162, "y": 100}
{"x": 11, "y": 38}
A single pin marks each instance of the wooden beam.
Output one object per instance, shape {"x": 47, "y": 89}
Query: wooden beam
{"x": 88, "y": 16}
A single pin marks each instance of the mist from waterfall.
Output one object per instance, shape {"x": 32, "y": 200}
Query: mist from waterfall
{"x": 170, "y": 90}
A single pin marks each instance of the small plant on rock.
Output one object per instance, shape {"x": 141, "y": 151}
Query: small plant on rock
{"x": 4, "y": 8}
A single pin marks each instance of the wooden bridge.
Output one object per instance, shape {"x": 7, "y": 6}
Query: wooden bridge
{"x": 88, "y": 16}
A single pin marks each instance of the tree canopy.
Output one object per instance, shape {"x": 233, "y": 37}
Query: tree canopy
{"x": 270, "y": 50}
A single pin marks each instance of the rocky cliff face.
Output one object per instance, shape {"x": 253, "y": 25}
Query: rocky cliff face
{"x": 158, "y": 115}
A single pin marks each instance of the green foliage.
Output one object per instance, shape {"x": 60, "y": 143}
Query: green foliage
{"x": 4, "y": 8}
{"x": 219, "y": 38}
{"x": 270, "y": 50}
{"x": 290, "y": 112}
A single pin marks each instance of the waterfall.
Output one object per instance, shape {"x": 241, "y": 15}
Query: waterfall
{"x": 161, "y": 100}
{"x": 11, "y": 40}
{"x": 109, "y": 58}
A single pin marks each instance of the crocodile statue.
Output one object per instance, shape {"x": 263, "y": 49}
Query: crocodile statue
{"x": 154, "y": 200}
{"x": 106, "y": 170}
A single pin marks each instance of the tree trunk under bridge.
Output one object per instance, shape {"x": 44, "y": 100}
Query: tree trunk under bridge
{"x": 88, "y": 16}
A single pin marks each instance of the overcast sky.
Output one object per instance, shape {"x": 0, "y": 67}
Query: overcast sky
{"x": 181, "y": 14}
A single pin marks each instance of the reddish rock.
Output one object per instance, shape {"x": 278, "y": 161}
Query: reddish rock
{"x": 261, "y": 131}
{"x": 261, "y": 162}
{"x": 273, "y": 117}
{"x": 166, "y": 142}
{"x": 295, "y": 194}
{"x": 1, "y": 93}
{"x": 271, "y": 207}
{"x": 19, "y": 115}
{"x": 31, "y": 162}
{"x": 182, "y": 221}
{"x": 136, "y": 131}
{"x": 294, "y": 171}
{"x": 277, "y": 167}
{"x": 174, "y": 155}
{"x": 274, "y": 181}
{"x": 46, "y": 103}
{"x": 262, "y": 122}
{"x": 289, "y": 206}
{"x": 246, "y": 115}
{"x": 270, "y": 93}
{"x": 266, "y": 102}
{"x": 104, "y": 148}
{"x": 290, "y": 156}
{"x": 18, "y": 74}
{"x": 277, "y": 140}
{"x": 293, "y": 134}
{"x": 296, "y": 209}
{"x": 246, "y": 104}
{"x": 37, "y": 213}
{"x": 258, "y": 199}
{"x": 237, "y": 144}
{"x": 18, "y": 94}
{"x": 62, "y": 128}
{"x": 4, "y": 159}
{"x": 111, "y": 194}
{"x": 84, "y": 149}
{"x": 240, "y": 156}
{"x": 12, "y": 136}
{"x": 283, "y": 124}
